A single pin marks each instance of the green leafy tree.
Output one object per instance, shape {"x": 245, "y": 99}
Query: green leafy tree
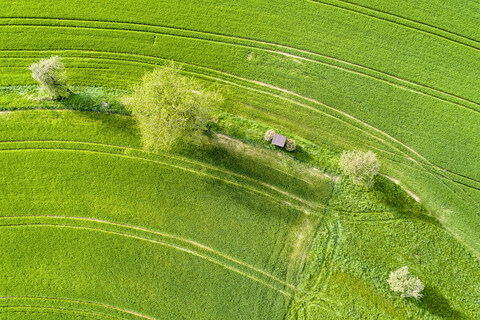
{"x": 360, "y": 166}
{"x": 169, "y": 107}
{"x": 50, "y": 74}
{"x": 407, "y": 285}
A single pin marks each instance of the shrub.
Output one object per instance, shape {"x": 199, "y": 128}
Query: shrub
{"x": 169, "y": 107}
{"x": 360, "y": 166}
{"x": 269, "y": 135}
{"x": 290, "y": 145}
{"x": 409, "y": 286}
{"x": 50, "y": 74}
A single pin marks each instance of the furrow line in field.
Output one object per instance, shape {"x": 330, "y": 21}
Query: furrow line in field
{"x": 168, "y": 155}
{"x": 97, "y": 304}
{"x": 275, "y": 48}
{"x": 156, "y": 233}
{"x": 404, "y": 22}
{"x": 272, "y": 198}
{"x": 47, "y": 309}
{"x": 175, "y": 247}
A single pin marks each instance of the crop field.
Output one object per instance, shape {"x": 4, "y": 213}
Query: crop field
{"x": 88, "y": 216}
{"x": 223, "y": 231}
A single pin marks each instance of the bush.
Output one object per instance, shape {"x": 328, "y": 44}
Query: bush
{"x": 169, "y": 107}
{"x": 50, "y": 74}
{"x": 360, "y": 166}
{"x": 409, "y": 286}
{"x": 290, "y": 145}
{"x": 269, "y": 135}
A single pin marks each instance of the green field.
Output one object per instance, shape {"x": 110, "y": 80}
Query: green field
{"x": 89, "y": 216}
{"x": 223, "y": 230}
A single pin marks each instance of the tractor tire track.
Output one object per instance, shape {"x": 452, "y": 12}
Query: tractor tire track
{"x": 159, "y": 242}
{"x": 82, "y": 302}
{"x": 275, "y": 48}
{"x": 265, "y": 195}
{"x": 402, "y": 21}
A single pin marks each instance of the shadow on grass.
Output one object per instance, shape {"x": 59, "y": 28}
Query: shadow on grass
{"x": 433, "y": 302}
{"x": 84, "y": 101}
{"x": 394, "y": 196}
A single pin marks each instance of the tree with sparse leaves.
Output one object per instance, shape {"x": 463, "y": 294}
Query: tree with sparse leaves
{"x": 360, "y": 166}
{"x": 169, "y": 107}
{"x": 50, "y": 74}
{"x": 407, "y": 285}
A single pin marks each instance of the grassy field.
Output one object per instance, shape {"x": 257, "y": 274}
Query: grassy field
{"x": 88, "y": 216}
{"x": 281, "y": 72}
{"x": 400, "y": 79}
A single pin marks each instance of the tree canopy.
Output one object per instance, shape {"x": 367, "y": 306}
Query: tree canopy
{"x": 407, "y": 285}
{"x": 50, "y": 74}
{"x": 170, "y": 108}
{"x": 360, "y": 166}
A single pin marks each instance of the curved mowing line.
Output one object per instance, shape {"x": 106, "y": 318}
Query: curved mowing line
{"x": 47, "y": 309}
{"x": 161, "y": 234}
{"x": 121, "y": 148}
{"x": 224, "y": 265}
{"x": 405, "y": 22}
{"x": 406, "y": 84}
{"x": 272, "y": 198}
{"x": 106, "y": 306}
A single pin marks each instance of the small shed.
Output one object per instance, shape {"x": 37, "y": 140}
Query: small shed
{"x": 279, "y": 140}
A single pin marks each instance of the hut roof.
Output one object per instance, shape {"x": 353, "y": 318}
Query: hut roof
{"x": 279, "y": 140}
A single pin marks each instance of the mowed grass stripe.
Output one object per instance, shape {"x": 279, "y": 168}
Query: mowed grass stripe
{"x": 182, "y": 242}
{"x": 216, "y": 78}
{"x": 402, "y": 21}
{"x": 291, "y": 52}
{"x": 162, "y": 243}
{"x": 50, "y": 300}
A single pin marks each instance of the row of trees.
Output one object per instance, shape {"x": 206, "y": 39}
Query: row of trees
{"x": 168, "y": 107}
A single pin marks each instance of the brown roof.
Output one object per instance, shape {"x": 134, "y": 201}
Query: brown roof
{"x": 279, "y": 140}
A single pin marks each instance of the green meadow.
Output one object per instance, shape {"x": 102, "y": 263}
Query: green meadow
{"x": 230, "y": 228}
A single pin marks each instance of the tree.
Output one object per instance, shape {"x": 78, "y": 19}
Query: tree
{"x": 269, "y": 135}
{"x": 290, "y": 145}
{"x": 169, "y": 107}
{"x": 360, "y": 166}
{"x": 401, "y": 281}
{"x": 50, "y": 74}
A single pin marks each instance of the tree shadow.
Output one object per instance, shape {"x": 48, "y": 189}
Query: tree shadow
{"x": 83, "y": 101}
{"x": 394, "y": 196}
{"x": 433, "y": 302}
